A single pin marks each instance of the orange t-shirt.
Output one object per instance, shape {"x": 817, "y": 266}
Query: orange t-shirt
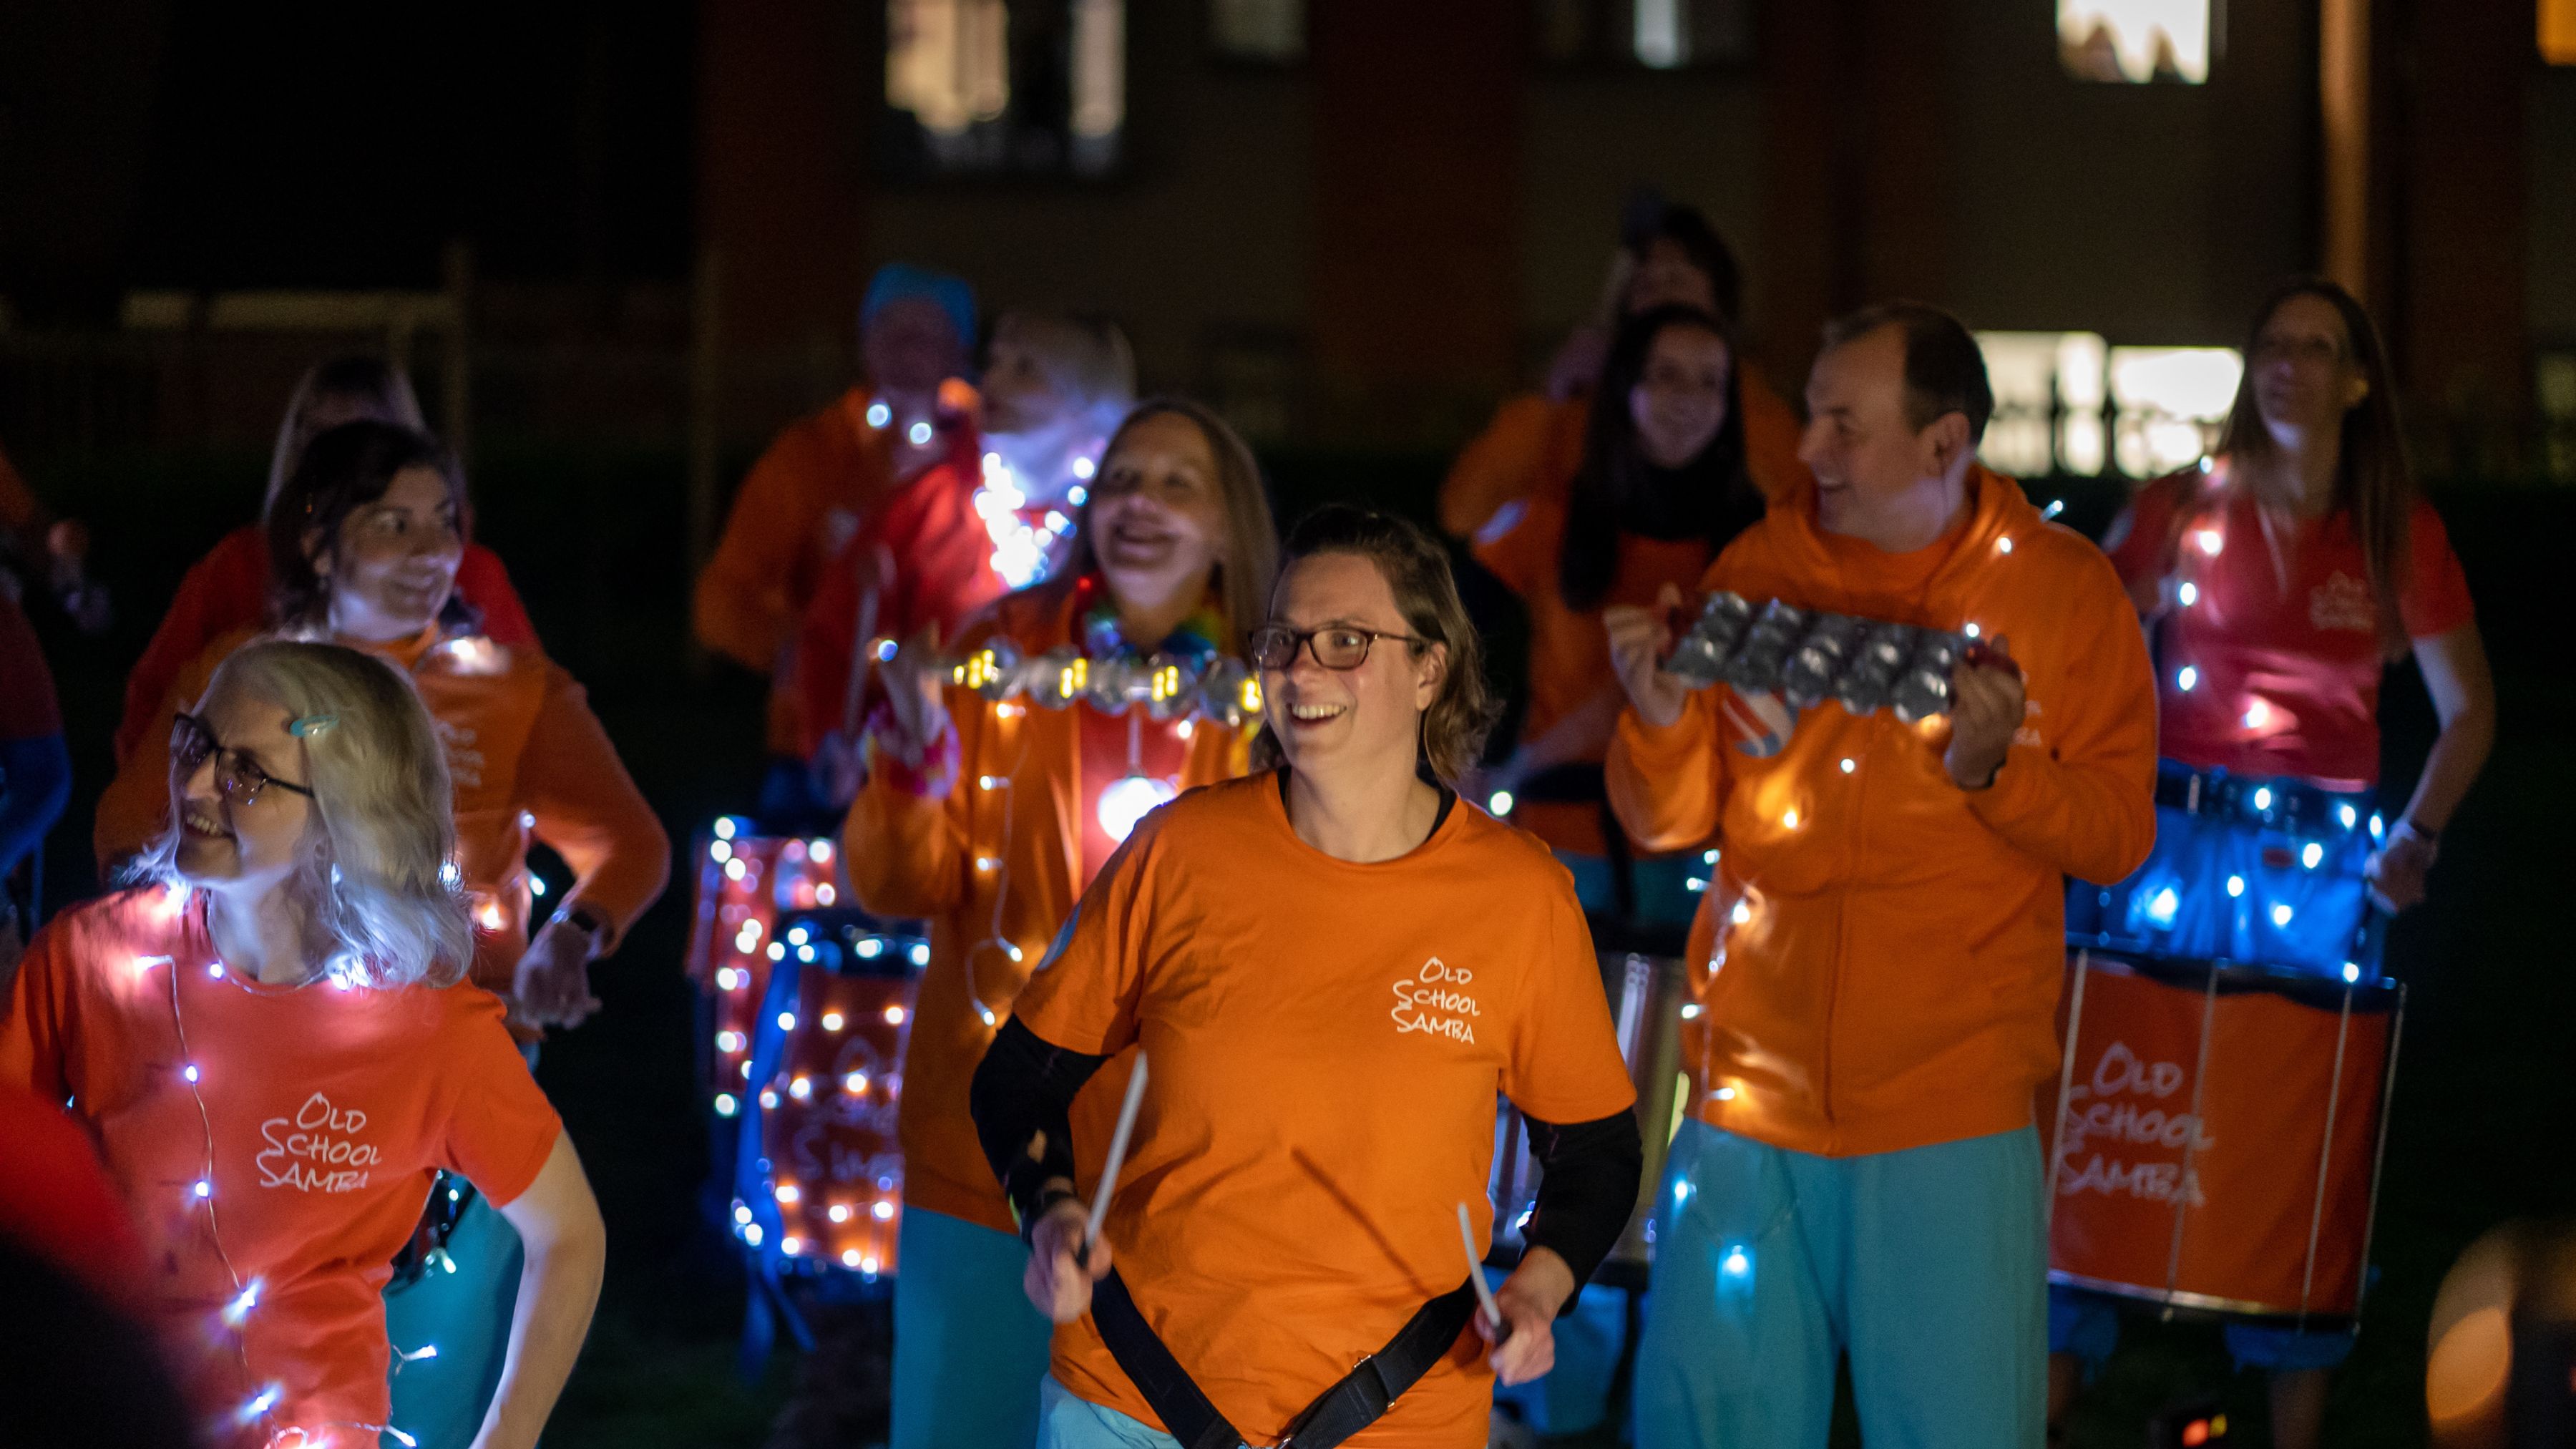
{"x": 1325, "y": 1041}
{"x": 314, "y": 1127}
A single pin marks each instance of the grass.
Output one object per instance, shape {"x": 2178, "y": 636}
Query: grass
{"x": 2484, "y": 1097}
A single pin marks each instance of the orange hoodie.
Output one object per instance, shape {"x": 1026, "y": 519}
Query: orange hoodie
{"x": 996, "y": 865}
{"x": 528, "y": 759}
{"x": 1535, "y": 442}
{"x": 1888, "y": 969}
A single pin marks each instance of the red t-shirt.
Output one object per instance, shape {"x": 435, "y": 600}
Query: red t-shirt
{"x": 55, "y": 1201}
{"x": 273, "y": 1191}
{"x": 27, "y": 707}
{"x": 943, "y": 574}
{"x": 2271, "y": 640}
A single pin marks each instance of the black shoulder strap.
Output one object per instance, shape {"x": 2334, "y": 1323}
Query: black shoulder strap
{"x": 1361, "y": 1397}
{"x": 1186, "y": 1413}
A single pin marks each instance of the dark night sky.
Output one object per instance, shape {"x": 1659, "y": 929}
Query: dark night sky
{"x": 204, "y": 145}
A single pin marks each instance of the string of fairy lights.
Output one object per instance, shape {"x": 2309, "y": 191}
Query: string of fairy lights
{"x": 203, "y": 1193}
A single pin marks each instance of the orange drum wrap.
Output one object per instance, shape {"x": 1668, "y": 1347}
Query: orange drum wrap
{"x": 2219, "y": 1143}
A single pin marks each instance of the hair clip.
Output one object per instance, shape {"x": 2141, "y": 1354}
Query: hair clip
{"x": 311, "y": 724}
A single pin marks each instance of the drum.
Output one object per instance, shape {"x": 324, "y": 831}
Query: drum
{"x": 746, "y": 882}
{"x": 819, "y": 1181}
{"x": 1646, "y": 995}
{"x": 2216, "y": 1134}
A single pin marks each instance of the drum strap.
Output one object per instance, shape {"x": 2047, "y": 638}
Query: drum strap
{"x": 1359, "y": 1400}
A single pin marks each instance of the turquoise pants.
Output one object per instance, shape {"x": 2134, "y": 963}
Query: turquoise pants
{"x": 1066, "y": 1422}
{"x": 1927, "y": 1266}
{"x": 969, "y": 1351}
{"x": 439, "y": 1398}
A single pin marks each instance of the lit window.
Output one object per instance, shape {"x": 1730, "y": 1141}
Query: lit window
{"x": 2171, "y": 403}
{"x": 2048, "y": 403}
{"x": 2067, "y": 403}
{"x": 2135, "y": 40}
{"x": 999, "y": 86}
{"x": 1658, "y": 34}
{"x": 1268, "y": 31}
{"x": 2558, "y": 31}
{"x": 2554, "y": 388}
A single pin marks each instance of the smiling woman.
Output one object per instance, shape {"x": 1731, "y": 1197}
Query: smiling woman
{"x": 272, "y": 1029}
{"x": 990, "y": 818}
{"x": 1454, "y": 965}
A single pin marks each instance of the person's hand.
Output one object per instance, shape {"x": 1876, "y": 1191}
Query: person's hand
{"x": 1529, "y": 1300}
{"x": 1640, "y": 638}
{"x": 1986, "y": 706}
{"x": 552, "y": 984}
{"x": 914, "y": 682}
{"x": 2397, "y": 870}
{"x": 1059, "y": 1277}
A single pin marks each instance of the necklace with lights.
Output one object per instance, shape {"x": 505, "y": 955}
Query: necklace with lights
{"x": 175, "y": 901}
{"x": 1184, "y": 681}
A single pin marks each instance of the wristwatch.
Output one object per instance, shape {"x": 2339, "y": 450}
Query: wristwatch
{"x": 594, "y": 923}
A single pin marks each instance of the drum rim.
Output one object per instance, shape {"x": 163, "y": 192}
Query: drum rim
{"x": 2373, "y": 994}
{"x": 2240, "y": 1309}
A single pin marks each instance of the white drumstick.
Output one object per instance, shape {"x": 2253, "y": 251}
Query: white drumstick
{"x": 1476, "y": 1274}
{"x": 1117, "y": 1152}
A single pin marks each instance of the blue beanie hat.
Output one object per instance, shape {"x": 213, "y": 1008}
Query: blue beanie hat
{"x": 902, "y": 281}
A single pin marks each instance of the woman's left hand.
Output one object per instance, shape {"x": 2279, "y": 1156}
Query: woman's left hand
{"x": 2397, "y": 872}
{"x": 552, "y": 983}
{"x": 1529, "y": 1300}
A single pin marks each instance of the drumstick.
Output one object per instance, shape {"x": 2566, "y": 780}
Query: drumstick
{"x": 1476, "y": 1275}
{"x": 1117, "y": 1153}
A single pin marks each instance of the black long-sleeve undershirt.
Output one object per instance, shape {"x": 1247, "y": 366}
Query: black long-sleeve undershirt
{"x": 1022, "y": 1101}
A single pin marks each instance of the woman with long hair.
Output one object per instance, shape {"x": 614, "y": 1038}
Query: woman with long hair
{"x": 2282, "y": 579}
{"x": 272, "y": 1039}
{"x": 989, "y": 817}
{"x": 1668, "y": 256}
{"x": 228, "y": 588}
{"x": 1328, "y": 971}
{"x": 1661, "y": 489}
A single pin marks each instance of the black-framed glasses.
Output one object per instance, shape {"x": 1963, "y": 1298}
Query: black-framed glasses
{"x": 1335, "y": 646}
{"x": 236, "y": 774}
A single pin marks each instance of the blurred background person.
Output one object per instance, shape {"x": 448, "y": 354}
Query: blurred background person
{"x": 803, "y": 502}
{"x": 35, "y": 774}
{"x": 968, "y": 529}
{"x": 1173, "y": 553}
{"x": 229, "y": 588}
{"x": 1668, "y": 255}
{"x": 273, "y": 1037}
{"x": 51, "y": 553}
{"x": 1660, "y": 489}
{"x": 2281, "y": 583}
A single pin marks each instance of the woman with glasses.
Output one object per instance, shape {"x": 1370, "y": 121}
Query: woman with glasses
{"x": 364, "y": 545}
{"x": 1661, "y": 489}
{"x": 2282, "y": 578}
{"x": 273, "y": 1042}
{"x": 989, "y": 817}
{"x": 1328, "y": 970}
{"x": 227, "y": 590}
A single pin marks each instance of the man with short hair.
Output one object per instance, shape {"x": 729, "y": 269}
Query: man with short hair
{"x": 1878, "y": 960}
